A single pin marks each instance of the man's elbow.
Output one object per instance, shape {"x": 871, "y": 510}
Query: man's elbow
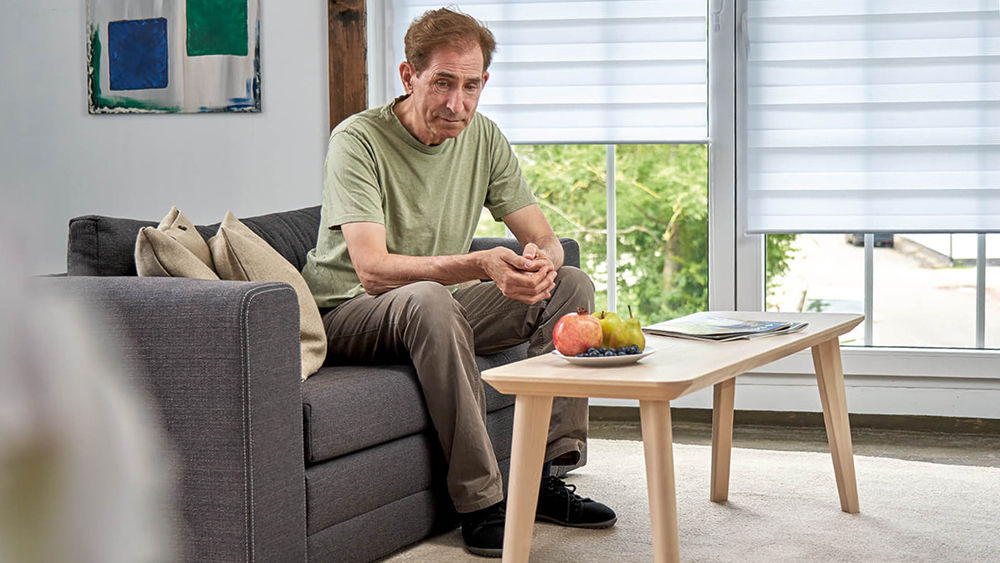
{"x": 370, "y": 282}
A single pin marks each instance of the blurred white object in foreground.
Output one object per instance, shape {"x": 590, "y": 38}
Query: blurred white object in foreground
{"x": 84, "y": 473}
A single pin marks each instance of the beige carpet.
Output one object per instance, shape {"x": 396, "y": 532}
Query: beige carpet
{"x": 783, "y": 506}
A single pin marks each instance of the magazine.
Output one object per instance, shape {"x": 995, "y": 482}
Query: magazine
{"x": 719, "y": 328}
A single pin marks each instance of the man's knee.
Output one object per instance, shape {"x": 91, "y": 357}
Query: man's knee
{"x": 425, "y": 292}
{"x": 574, "y": 280}
{"x": 429, "y": 302}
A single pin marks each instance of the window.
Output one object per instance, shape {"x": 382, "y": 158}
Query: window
{"x": 879, "y": 118}
{"x": 658, "y": 211}
{"x": 795, "y": 86}
{"x": 924, "y": 288}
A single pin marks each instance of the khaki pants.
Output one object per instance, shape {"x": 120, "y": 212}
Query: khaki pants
{"x": 441, "y": 332}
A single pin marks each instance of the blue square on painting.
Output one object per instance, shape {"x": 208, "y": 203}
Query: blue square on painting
{"x": 137, "y": 54}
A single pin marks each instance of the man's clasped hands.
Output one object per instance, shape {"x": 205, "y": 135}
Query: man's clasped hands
{"x": 528, "y": 277}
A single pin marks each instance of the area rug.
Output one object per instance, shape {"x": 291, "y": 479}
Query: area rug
{"x": 783, "y": 506}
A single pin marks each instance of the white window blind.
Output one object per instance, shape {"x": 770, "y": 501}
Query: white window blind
{"x": 872, "y": 116}
{"x": 612, "y": 71}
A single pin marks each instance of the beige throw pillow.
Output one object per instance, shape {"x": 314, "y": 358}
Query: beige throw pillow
{"x": 183, "y": 231}
{"x": 240, "y": 254}
{"x": 159, "y": 254}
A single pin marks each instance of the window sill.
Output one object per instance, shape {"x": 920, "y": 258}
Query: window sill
{"x": 899, "y": 362}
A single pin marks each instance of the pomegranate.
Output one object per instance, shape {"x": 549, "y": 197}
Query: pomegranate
{"x": 574, "y": 333}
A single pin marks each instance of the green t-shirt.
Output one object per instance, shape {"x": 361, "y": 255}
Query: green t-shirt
{"x": 429, "y": 198}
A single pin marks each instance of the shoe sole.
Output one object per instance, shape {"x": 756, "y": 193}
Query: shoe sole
{"x": 484, "y": 551}
{"x": 591, "y": 526}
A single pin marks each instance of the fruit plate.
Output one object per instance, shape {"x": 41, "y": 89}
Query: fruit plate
{"x": 607, "y": 361}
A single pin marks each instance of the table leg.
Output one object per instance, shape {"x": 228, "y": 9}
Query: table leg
{"x": 657, "y": 442}
{"x": 531, "y": 424}
{"x": 722, "y": 438}
{"x": 830, "y": 377}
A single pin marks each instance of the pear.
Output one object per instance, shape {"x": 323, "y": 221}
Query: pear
{"x": 628, "y": 333}
{"x": 609, "y": 322}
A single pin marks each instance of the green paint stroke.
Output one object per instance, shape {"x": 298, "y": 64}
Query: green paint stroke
{"x": 217, "y": 27}
{"x": 100, "y": 102}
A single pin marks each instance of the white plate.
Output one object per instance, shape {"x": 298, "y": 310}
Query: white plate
{"x": 607, "y": 361}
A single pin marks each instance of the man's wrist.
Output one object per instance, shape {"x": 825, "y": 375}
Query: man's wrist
{"x": 550, "y": 255}
{"x": 479, "y": 259}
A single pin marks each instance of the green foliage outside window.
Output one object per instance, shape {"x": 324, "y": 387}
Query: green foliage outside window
{"x": 661, "y": 221}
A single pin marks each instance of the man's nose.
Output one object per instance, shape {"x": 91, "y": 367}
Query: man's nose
{"x": 454, "y": 102}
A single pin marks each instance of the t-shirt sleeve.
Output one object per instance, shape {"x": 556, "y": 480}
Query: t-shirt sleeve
{"x": 508, "y": 190}
{"x": 351, "y": 191}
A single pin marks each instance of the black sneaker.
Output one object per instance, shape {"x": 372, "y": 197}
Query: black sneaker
{"x": 482, "y": 530}
{"x": 559, "y": 503}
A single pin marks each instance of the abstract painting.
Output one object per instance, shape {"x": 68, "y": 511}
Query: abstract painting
{"x": 173, "y": 56}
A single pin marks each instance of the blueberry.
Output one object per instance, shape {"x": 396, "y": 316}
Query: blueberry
{"x": 622, "y": 353}
{"x": 581, "y": 355}
{"x": 609, "y": 353}
{"x": 591, "y": 349}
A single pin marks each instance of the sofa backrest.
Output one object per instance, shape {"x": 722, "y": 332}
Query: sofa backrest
{"x": 105, "y": 246}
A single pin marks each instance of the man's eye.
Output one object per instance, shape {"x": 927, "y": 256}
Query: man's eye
{"x": 472, "y": 87}
{"x": 441, "y": 84}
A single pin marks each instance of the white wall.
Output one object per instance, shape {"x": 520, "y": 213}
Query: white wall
{"x": 57, "y": 161}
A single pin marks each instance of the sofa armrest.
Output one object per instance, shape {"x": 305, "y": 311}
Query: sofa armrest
{"x": 221, "y": 362}
{"x": 571, "y": 249}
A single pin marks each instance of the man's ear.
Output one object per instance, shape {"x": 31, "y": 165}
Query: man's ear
{"x": 406, "y": 74}
{"x": 486, "y": 76}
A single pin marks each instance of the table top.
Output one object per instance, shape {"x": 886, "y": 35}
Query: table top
{"x": 676, "y": 368}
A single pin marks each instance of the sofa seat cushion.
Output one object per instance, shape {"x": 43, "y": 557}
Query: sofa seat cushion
{"x": 351, "y": 407}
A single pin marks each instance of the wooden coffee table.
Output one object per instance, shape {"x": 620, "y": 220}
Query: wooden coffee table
{"x": 678, "y": 367}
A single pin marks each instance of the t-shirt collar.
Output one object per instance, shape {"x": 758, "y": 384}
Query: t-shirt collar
{"x": 408, "y": 137}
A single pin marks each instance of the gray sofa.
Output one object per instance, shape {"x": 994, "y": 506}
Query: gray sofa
{"x": 342, "y": 467}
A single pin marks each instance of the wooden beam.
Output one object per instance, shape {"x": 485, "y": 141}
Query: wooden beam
{"x": 348, "y": 54}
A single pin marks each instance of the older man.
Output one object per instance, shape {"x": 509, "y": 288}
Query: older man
{"x": 405, "y": 184}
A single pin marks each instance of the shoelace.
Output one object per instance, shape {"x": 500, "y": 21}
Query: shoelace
{"x": 561, "y": 488}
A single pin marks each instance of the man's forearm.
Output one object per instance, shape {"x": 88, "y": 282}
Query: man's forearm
{"x": 396, "y": 270}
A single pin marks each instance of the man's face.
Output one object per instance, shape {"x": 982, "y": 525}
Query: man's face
{"x": 445, "y": 94}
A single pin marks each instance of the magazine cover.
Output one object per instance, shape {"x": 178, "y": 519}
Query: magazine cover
{"x": 713, "y": 326}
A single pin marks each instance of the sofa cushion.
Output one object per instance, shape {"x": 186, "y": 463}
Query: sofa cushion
{"x": 348, "y": 408}
{"x": 292, "y": 233}
{"x": 105, "y": 246}
{"x": 239, "y": 254}
{"x": 157, "y": 254}
{"x": 181, "y": 229}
